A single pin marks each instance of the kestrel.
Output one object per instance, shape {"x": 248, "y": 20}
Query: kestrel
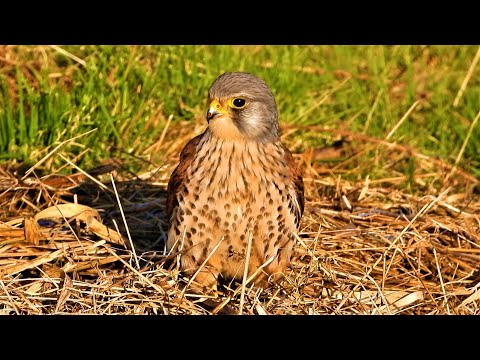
{"x": 236, "y": 187}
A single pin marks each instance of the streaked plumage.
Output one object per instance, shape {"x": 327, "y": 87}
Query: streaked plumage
{"x": 233, "y": 181}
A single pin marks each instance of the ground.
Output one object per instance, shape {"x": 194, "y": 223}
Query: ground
{"x": 365, "y": 247}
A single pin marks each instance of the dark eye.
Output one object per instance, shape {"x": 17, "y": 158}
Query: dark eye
{"x": 238, "y": 103}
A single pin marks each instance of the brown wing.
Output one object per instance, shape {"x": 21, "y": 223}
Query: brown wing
{"x": 177, "y": 179}
{"x": 297, "y": 201}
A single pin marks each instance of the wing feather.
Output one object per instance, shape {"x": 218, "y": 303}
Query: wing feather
{"x": 177, "y": 179}
{"x": 297, "y": 193}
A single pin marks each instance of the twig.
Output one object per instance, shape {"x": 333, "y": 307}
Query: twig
{"x": 70, "y": 55}
{"x": 159, "y": 289}
{"x": 464, "y": 145}
{"x": 467, "y": 78}
{"x": 9, "y": 298}
{"x": 325, "y": 96}
{"x": 125, "y": 222}
{"x": 201, "y": 266}
{"x": 53, "y": 151}
{"x": 400, "y": 122}
{"x": 245, "y": 273}
{"x": 103, "y": 186}
{"x": 441, "y": 280}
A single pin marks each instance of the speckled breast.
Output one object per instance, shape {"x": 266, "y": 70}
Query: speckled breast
{"x": 234, "y": 191}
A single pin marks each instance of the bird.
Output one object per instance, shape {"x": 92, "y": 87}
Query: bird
{"x": 236, "y": 188}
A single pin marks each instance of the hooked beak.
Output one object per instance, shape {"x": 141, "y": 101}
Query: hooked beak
{"x": 214, "y": 110}
{"x": 211, "y": 113}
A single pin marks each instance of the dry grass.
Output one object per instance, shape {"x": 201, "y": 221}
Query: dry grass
{"x": 365, "y": 247}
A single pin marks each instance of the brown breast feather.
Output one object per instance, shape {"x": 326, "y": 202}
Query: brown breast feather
{"x": 177, "y": 179}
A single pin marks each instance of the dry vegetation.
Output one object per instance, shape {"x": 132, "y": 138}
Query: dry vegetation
{"x": 92, "y": 242}
{"x": 365, "y": 247}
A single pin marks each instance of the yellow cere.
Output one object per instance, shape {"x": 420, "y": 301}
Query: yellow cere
{"x": 215, "y": 104}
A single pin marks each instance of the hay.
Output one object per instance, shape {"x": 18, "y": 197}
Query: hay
{"x": 365, "y": 247}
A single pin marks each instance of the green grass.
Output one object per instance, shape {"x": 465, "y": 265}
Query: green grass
{"x": 128, "y": 92}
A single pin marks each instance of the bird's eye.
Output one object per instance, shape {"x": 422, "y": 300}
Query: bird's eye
{"x": 237, "y": 103}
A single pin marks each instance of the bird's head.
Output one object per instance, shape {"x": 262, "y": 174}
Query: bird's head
{"x": 242, "y": 107}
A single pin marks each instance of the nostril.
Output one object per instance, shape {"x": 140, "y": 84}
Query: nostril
{"x": 210, "y": 115}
